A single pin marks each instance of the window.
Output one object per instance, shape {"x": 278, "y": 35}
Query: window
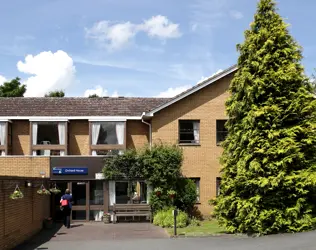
{"x": 107, "y": 138}
{"x": 221, "y": 131}
{"x": 49, "y": 138}
{"x": 3, "y": 137}
{"x": 9, "y": 134}
{"x": 96, "y": 193}
{"x": 134, "y": 192}
{"x": 189, "y": 132}
{"x": 109, "y": 152}
{"x": 218, "y": 185}
{"x": 197, "y": 184}
{"x": 45, "y": 133}
{"x": 108, "y": 133}
{"x": 46, "y": 152}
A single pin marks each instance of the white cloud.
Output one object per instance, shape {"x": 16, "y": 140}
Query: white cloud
{"x": 115, "y": 36}
{"x": 100, "y": 91}
{"x": 236, "y": 14}
{"x": 159, "y": 26}
{"x": 2, "y": 79}
{"x": 206, "y": 14}
{"x": 50, "y": 71}
{"x": 171, "y": 92}
{"x": 118, "y": 35}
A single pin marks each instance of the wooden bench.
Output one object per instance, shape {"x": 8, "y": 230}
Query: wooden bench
{"x": 131, "y": 210}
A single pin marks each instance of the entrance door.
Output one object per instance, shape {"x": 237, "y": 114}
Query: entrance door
{"x": 79, "y": 191}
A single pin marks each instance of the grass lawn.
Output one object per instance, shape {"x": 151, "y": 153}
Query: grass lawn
{"x": 206, "y": 228}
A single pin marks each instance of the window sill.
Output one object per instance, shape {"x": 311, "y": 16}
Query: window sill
{"x": 189, "y": 144}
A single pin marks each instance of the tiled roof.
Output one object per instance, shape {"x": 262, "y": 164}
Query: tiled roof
{"x": 77, "y": 106}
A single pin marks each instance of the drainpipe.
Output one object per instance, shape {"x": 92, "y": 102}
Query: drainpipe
{"x": 149, "y": 125}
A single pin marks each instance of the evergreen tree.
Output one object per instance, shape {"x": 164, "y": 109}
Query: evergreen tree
{"x": 56, "y": 93}
{"x": 268, "y": 175}
{"x": 93, "y": 96}
{"x": 13, "y": 88}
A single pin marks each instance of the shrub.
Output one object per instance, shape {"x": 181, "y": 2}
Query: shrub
{"x": 186, "y": 195}
{"x": 195, "y": 222}
{"x": 160, "y": 202}
{"x": 164, "y": 218}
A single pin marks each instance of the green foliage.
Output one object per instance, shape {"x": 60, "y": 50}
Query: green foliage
{"x": 14, "y": 88}
{"x": 160, "y": 202}
{"x": 268, "y": 175}
{"x": 123, "y": 167}
{"x": 194, "y": 222}
{"x": 160, "y": 166}
{"x": 93, "y": 96}
{"x": 56, "y": 93}
{"x": 17, "y": 194}
{"x": 164, "y": 218}
{"x": 186, "y": 195}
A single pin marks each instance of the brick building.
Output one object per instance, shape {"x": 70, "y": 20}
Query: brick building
{"x": 65, "y": 140}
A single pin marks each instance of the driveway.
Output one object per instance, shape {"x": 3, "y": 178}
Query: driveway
{"x": 85, "y": 232}
{"x": 146, "y": 236}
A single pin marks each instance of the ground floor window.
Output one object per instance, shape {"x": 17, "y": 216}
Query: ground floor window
{"x": 125, "y": 192}
{"x": 218, "y": 185}
{"x": 96, "y": 193}
{"x": 197, "y": 185}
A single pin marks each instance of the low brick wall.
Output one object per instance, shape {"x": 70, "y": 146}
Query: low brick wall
{"x": 22, "y": 218}
{"x": 24, "y": 166}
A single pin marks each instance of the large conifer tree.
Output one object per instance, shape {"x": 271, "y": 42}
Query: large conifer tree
{"x": 268, "y": 175}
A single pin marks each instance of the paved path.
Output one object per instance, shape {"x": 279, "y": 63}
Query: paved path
{"x": 145, "y": 236}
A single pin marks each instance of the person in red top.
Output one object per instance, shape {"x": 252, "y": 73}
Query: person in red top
{"x": 66, "y": 204}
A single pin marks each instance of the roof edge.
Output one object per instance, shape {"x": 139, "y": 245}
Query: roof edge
{"x": 197, "y": 87}
{"x": 66, "y": 118}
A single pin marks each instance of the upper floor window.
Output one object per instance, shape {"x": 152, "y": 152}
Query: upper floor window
{"x": 45, "y": 133}
{"x": 189, "y": 131}
{"x": 108, "y": 133}
{"x": 49, "y": 138}
{"x": 221, "y": 131}
{"x": 3, "y": 137}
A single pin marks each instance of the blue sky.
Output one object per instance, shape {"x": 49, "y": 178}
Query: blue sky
{"x": 131, "y": 48}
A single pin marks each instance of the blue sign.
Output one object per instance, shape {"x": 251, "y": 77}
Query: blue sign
{"x": 70, "y": 171}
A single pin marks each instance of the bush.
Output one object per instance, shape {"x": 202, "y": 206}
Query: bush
{"x": 164, "y": 218}
{"x": 195, "y": 222}
{"x": 159, "y": 203}
{"x": 186, "y": 195}
{"x": 160, "y": 166}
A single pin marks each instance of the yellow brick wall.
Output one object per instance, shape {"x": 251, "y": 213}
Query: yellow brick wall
{"x": 78, "y": 136}
{"x": 206, "y": 105}
{"x": 24, "y": 166}
{"x": 136, "y": 134}
{"x": 78, "y": 143}
{"x": 20, "y": 137}
{"x": 20, "y": 219}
